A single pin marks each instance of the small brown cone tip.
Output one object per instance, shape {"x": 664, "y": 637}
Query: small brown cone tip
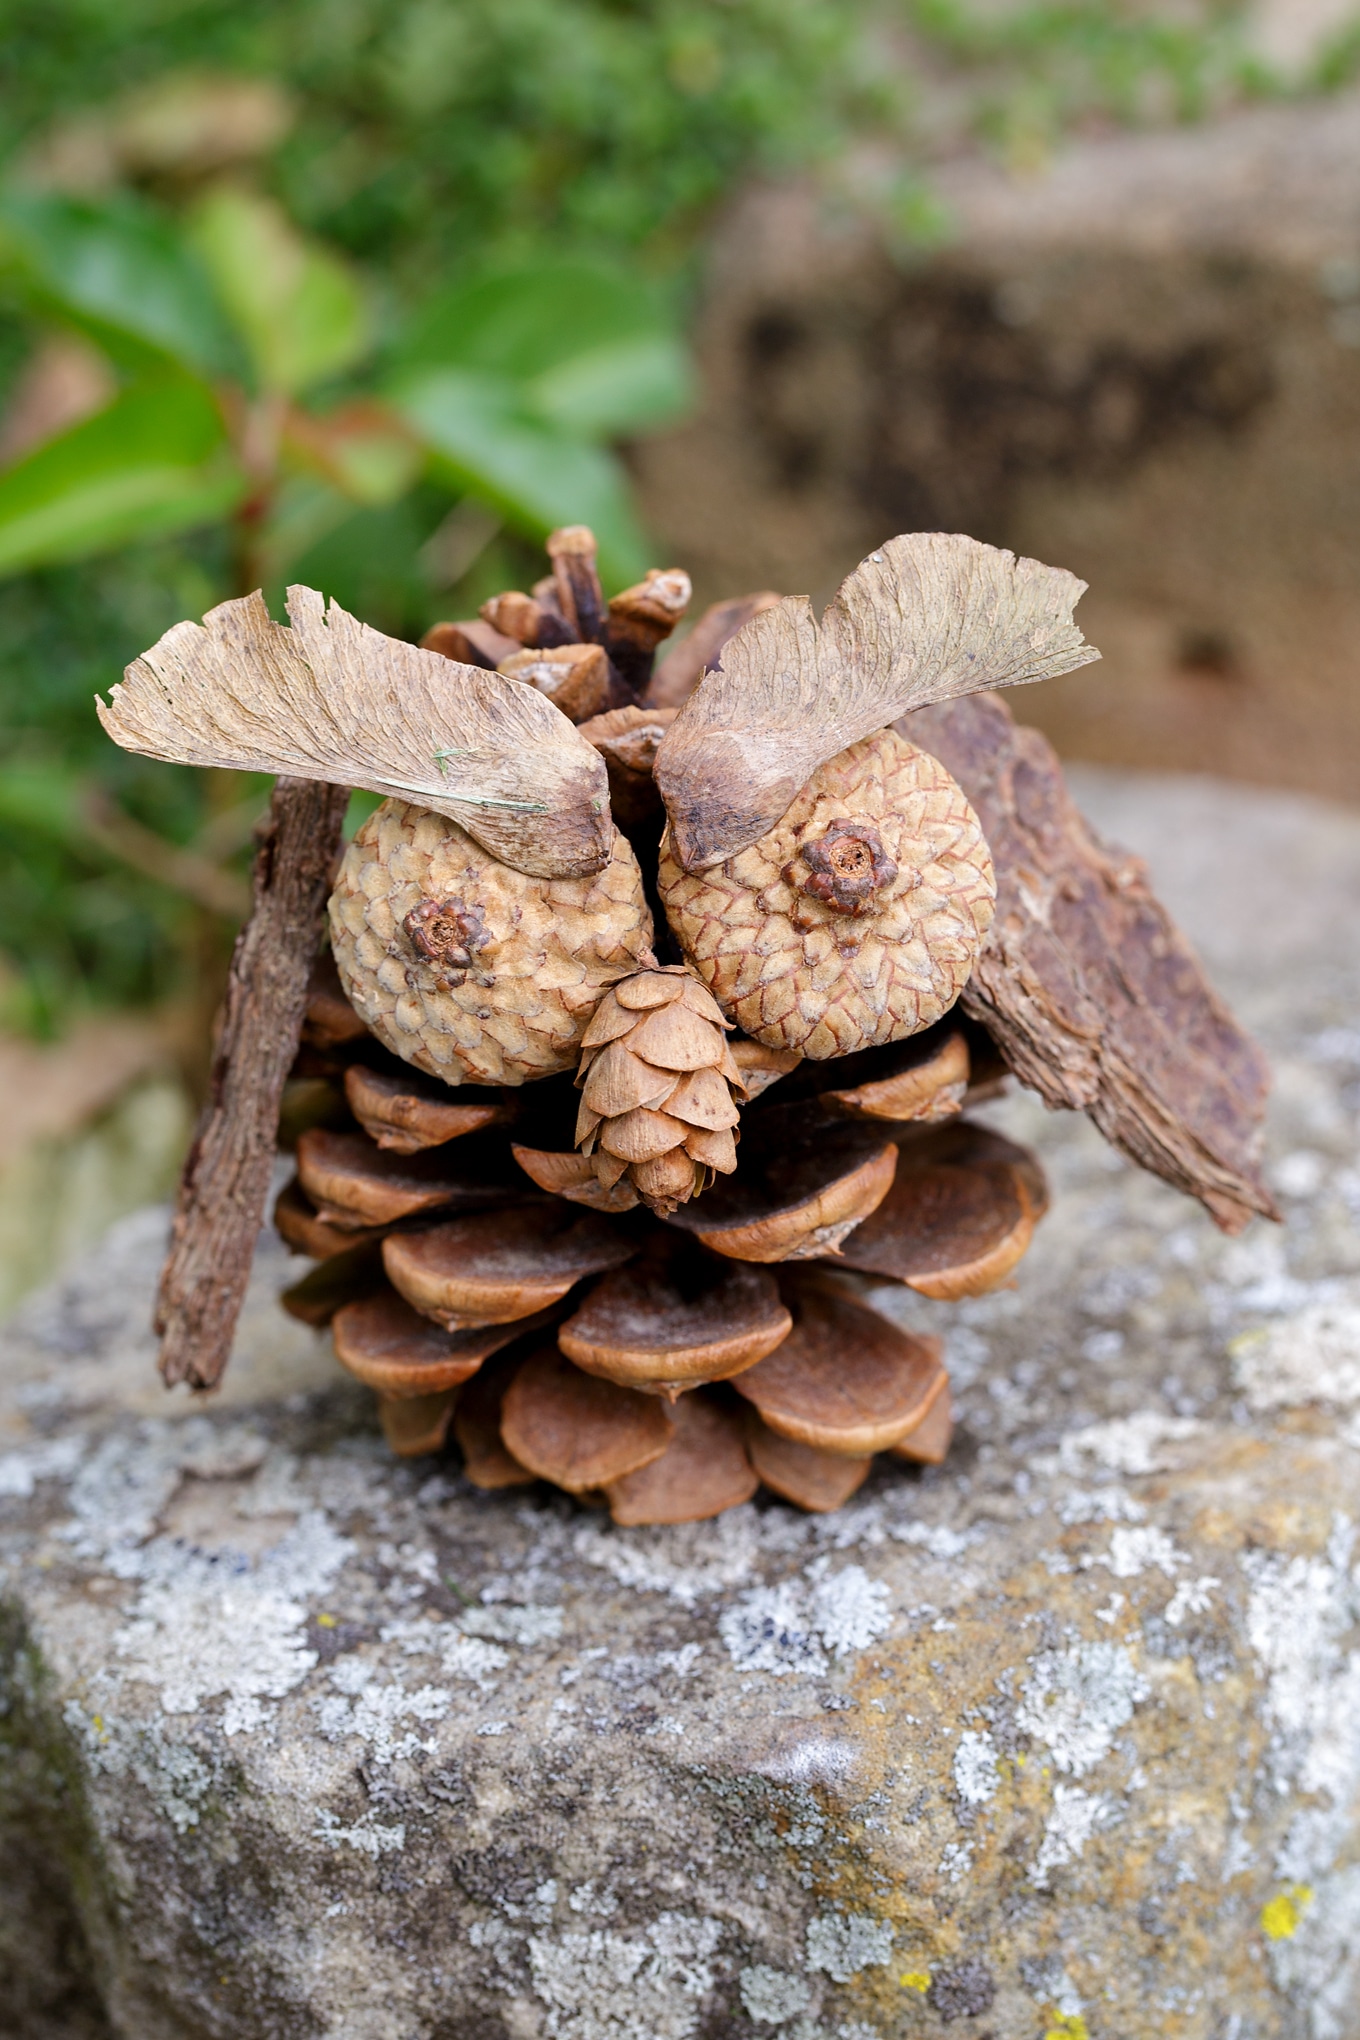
{"x": 658, "y": 1088}
{"x": 473, "y": 971}
{"x": 477, "y": 1427}
{"x": 415, "y": 1425}
{"x": 928, "y": 1442}
{"x": 856, "y": 920}
{"x": 576, "y": 678}
{"x": 406, "y": 1114}
{"x": 501, "y": 1266}
{"x": 675, "y": 1318}
{"x": 704, "y": 1470}
{"x": 354, "y": 1184}
{"x": 815, "y": 1480}
{"x": 399, "y": 1352}
{"x": 958, "y": 1218}
{"x": 804, "y": 1187}
{"x": 299, "y": 1227}
{"x": 579, "y": 1431}
{"x": 845, "y": 1379}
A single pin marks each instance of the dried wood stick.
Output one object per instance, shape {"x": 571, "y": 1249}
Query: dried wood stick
{"x": 225, "y": 1184}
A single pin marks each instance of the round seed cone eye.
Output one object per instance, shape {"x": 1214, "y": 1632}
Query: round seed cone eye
{"x": 577, "y": 1430}
{"x": 473, "y": 971}
{"x": 845, "y": 1379}
{"x": 659, "y": 1089}
{"x": 958, "y": 1218}
{"x": 501, "y": 1266}
{"x": 814, "y": 1479}
{"x": 856, "y": 920}
{"x": 703, "y": 1470}
{"x": 674, "y": 1318}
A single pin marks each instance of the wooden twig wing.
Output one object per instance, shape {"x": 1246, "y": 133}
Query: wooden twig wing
{"x": 331, "y": 699}
{"x": 1092, "y": 993}
{"x": 927, "y": 617}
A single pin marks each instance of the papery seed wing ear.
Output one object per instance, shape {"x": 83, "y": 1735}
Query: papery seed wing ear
{"x": 327, "y": 698}
{"x": 927, "y": 617}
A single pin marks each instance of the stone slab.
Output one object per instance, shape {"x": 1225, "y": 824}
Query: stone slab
{"x": 1062, "y": 1739}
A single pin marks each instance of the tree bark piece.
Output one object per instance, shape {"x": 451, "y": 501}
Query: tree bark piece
{"x": 704, "y": 1470}
{"x": 1094, "y": 996}
{"x": 225, "y": 1184}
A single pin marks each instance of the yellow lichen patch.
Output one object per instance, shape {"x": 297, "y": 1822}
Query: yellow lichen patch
{"x": 1067, "y": 2026}
{"x": 1281, "y": 1915}
{"x": 915, "y": 1979}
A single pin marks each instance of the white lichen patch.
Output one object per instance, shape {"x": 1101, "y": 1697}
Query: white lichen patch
{"x": 1310, "y": 1357}
{"x": 201, "y": 1629}
{"x": 1192, "y": 1597}
{"x": 1142, "y": 1443}
{"x": 371, "y": 1837}
{"x": 54, "y": 1459}
{"x": 1075, "y": 1817}
{"x": 772, "y": 1996}
{"x": 604, "y": 1985}
{"x": 975, "y": 1773}
{"x": 377, "y": 1711}
{"x": 792, "y": 1627}
{"x": 842, "y": 1944}
{"x": 1137, "y": 1548}
{"x": 1075, "y": 1701}
{"x": 691, "y": 1562}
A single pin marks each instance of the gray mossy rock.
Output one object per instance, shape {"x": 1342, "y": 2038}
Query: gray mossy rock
{"x": 1058, "y": 1740}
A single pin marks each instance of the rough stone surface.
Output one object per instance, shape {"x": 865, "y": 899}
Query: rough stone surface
{"x": 1058, "y": 1740}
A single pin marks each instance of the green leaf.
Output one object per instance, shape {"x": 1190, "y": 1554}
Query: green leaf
{"x": 155, "y": 461}
{"x": 537, "y": 476}
{"x": 625, "y": 386}
{"x": 118, "y": 273}
{"x": 297, "y": 307}
{"x": 520, "y": 323}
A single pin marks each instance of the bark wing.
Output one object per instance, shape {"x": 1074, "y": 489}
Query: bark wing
{"x": 928, "y": 617}
{"x": 329, "y": 698}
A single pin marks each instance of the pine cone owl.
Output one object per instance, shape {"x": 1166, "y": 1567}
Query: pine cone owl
{"x": 650, "y": 1285}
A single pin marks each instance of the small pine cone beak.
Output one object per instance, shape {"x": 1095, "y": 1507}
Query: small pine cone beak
{"x": 659, "y": 1088}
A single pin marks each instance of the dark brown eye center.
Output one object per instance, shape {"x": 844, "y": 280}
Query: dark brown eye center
{"x": 847, "y": 867}
{"x": 446, "y": 933}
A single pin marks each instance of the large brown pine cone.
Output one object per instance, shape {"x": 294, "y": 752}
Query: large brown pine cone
{"x": 857, "y": 920}
{"x": 469, "y": 969}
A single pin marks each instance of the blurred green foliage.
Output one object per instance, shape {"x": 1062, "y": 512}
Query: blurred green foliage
{"x": 377, "y": 285}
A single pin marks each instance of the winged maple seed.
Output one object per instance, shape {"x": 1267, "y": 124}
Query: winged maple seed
{"x": 612, "y": 1220}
